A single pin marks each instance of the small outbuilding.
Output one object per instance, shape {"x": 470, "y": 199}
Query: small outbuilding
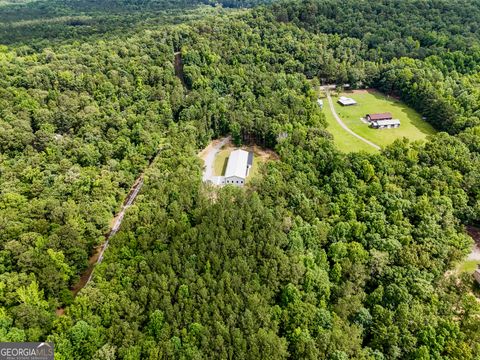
{"x": 238, "y": 167}
{"x": 346, "y": 101}
{"x": 385, "y": 124}
{"x": 320, "y": 103}
{"x": 381, "y": 116}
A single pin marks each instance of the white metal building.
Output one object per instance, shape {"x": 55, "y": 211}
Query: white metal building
{"x": 386, "y": 124}
{"x": 346, "y": 101}
{"x": 239, "y": 164}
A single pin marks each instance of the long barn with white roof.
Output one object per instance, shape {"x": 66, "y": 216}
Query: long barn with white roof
{"x": 238, "y": 167}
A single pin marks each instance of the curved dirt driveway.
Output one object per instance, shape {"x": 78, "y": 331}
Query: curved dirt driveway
{"x": 345, "y": 127}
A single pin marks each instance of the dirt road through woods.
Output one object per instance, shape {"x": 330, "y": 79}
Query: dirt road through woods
{"x": 178, "y": 64}
{"x": 97, "y": 256}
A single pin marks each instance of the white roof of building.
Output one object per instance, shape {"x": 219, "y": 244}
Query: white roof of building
{"x": 237, "y": 164}
{"x": 346, "y": 100}
{"x": 387, "y": 122}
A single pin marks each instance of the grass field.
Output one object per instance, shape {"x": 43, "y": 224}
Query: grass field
{"x": 221, "y": 160}
{"x": 468, "y": 266}
{"x": 412, "y": 127}
{"x": 344, "y": 141}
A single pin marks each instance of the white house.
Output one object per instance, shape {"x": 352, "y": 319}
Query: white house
{"x": 346, "y": 101}
{"x": 238, "y": 167}
{"x": 385, "y": 124}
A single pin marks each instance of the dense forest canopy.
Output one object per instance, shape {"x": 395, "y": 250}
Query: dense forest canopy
{"x": 391, "y": 28}
{"x": 44, "y": 22}
{"x": 324, "y": 256}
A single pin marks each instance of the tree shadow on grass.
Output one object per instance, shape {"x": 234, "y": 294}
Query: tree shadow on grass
{"x": 224, "y": 167}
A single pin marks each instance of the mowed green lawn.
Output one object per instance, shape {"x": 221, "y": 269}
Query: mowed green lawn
{"x": 221, "y": 160}
{"x": 412, "y": 126}
{"x": 343, "y": 140}
{"x": 468, "y": 266}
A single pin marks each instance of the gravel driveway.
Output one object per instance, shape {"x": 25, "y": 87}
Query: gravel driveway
{"x": 209, "y": 155}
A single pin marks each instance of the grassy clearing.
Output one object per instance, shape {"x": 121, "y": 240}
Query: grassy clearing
{"x": 468, "y": 266}
{"x": 412, "y": 127}
{"x": 255, "y": 170}
{"x": 221, "y": 160}
{"x": 260, "y": 156}
{"x": 343, "y": 140}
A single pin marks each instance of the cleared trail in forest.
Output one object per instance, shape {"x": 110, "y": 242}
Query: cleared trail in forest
{"x": 97, "y": 257}
{"x": 117, "y": 221}
{"x": 344, "y": 126}
{"x": 178, "y": 65}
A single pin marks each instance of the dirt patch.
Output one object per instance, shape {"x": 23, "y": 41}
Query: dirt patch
{"x": 474, "y": 232}
{"x": 92, "y": 261}
{"x": 83, "y": 277}
{"x": 228, "y": 146}
{"x": 263, "y": 154}
{"x": 60, "y": 312}
{"x": 178, "y": 64}
{"x": 204, "y": 153}
{"x": 359, "y": 91}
